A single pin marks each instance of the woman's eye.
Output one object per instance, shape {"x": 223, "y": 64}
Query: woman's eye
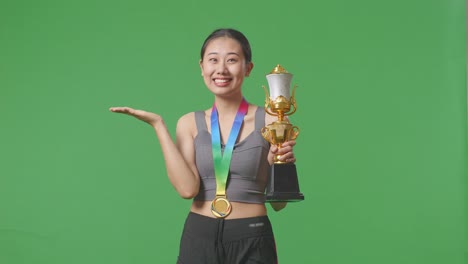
{"x": 212, "y": 60}
{"x": 232, "y": 60}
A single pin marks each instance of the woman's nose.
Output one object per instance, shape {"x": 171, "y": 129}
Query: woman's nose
{"x": 222, "y": 69}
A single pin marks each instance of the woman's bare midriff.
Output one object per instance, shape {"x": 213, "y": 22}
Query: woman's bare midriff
{"x": 239, "y": 210}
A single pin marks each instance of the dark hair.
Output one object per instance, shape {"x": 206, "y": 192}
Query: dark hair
{"x": 230, "y": 33}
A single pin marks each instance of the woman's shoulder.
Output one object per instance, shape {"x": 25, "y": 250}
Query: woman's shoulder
{"x": 186, "y": 122}
{"x": 187, "y": 117}
{"x": 189, "y": 120}
{"x": 190, "y": 116}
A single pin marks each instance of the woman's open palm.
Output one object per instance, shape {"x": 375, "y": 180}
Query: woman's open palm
{"x": 148, "y": 117}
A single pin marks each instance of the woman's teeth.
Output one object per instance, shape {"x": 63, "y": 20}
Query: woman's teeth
{"x": 221, "y": 80}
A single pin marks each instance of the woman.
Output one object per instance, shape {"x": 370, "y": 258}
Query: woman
{"x": 221, "y": 161}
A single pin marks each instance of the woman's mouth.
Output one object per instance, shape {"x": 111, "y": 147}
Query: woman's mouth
{"x": 222, "y": 81}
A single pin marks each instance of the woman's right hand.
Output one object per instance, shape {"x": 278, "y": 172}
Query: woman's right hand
{"x": 148, "y": 117}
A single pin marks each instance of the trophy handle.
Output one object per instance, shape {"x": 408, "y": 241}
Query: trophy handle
{"x": 294, "y": 132}
{"x": 293, "y": 101}
{"x": 267, "y": 102}
{"x": 266, "y": 134}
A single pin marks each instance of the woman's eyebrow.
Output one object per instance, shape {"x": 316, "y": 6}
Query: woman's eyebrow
{"x": 216, "y": 53}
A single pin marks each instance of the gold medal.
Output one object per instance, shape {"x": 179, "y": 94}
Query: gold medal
{"x": 220, "y": 207}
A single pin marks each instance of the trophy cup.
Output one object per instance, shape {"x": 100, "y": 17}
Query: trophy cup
{"x": 283, "y": 185}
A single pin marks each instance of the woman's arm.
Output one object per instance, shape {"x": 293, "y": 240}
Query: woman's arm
{"x": 179, "y": 159}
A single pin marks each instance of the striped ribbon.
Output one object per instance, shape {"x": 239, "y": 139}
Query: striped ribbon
{"x": 222, "y": 160}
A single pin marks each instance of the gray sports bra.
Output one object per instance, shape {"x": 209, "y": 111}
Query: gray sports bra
{"x": 249, "y": 168}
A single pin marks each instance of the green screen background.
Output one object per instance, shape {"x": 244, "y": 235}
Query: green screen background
{"x": 381, "y": 107}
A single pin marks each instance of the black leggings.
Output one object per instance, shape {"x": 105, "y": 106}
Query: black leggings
{"x": 207, "y": 240}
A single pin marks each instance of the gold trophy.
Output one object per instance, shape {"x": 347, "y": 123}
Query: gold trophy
{"x": 283, "y": 185}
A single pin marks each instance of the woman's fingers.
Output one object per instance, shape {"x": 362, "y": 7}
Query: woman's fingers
{"x": 286, "y": 151}
{"x": 128, "y": 111}
{"x": 273, "y": 149}
{"x": 291, "y": 143}
{"x": 148, "y": 117}
{"x": 288, "y": 157}
{"x": 123, "y": 110}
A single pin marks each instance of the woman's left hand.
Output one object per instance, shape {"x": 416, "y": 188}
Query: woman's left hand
{"x": 286, "y": 152}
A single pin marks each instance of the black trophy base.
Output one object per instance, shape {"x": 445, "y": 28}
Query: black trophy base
{"x": 283, "y": 185}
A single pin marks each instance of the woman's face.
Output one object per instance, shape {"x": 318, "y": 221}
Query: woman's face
{"x": 223, "y": 66}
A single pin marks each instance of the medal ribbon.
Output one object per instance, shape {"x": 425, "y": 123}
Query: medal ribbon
{"x": 222, "y": 161}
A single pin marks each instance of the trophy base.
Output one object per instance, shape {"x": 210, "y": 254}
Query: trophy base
{"x": 283, "y": 185}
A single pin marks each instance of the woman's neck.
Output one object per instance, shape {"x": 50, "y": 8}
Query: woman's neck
{"x": 228, "y": 106}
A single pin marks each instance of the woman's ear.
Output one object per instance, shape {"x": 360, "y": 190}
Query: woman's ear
{"x": 201, "y": 66}
{"x": 250, "y": 66}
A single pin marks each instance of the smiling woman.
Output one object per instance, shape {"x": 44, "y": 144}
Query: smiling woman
{"x": 224, "y": 63}
{"x": 228, "y": 220}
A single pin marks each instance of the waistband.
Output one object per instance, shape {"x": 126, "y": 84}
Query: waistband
{"x": 205, "y": 227}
